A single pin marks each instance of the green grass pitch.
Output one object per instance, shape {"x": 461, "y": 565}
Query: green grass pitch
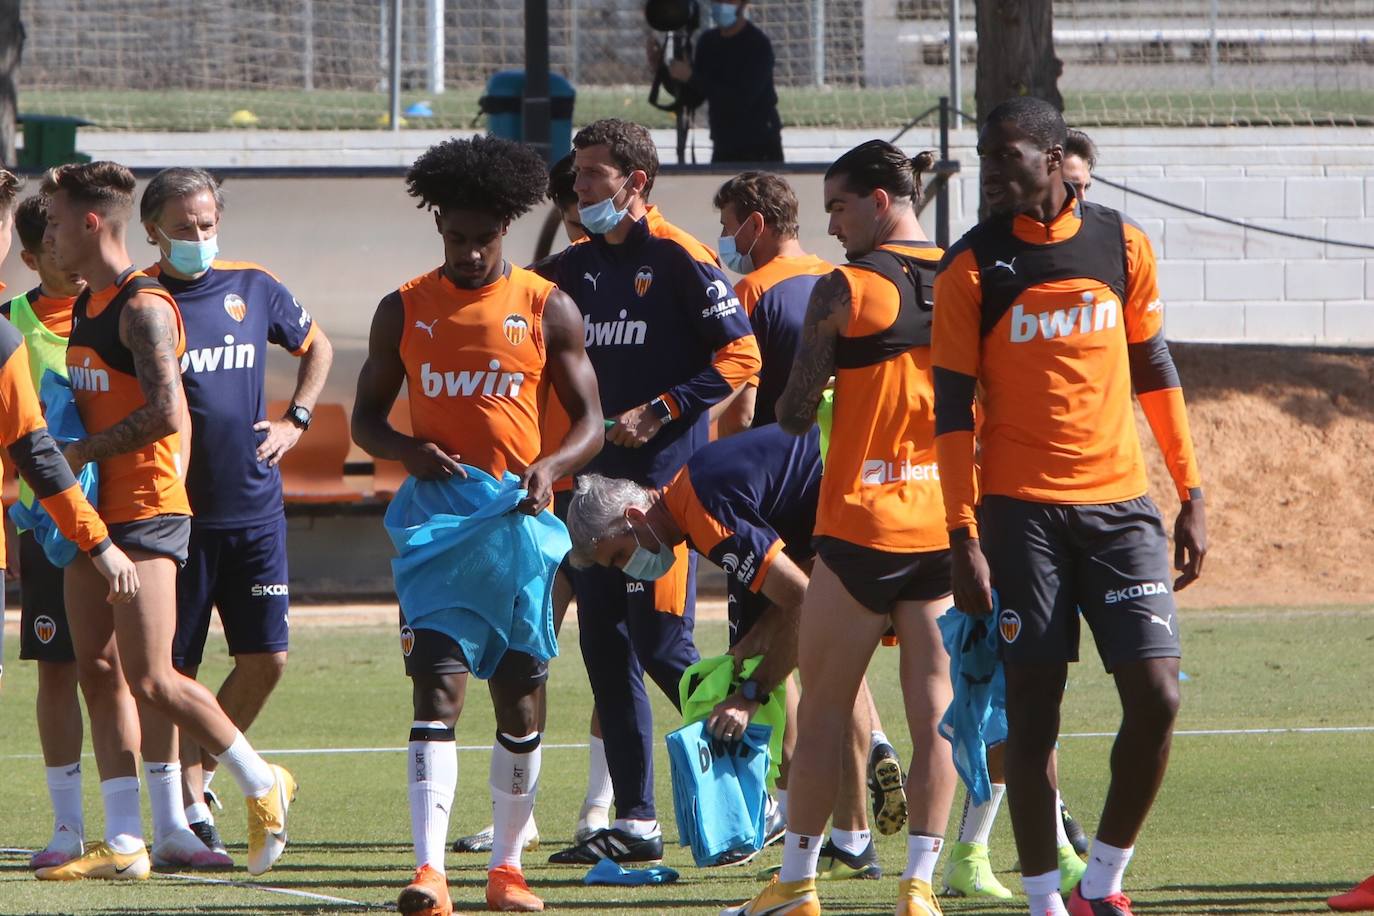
{"x": 1246, "y": 823}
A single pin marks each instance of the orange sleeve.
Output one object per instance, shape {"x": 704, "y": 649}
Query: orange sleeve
{"x": 704, "y": 531}
{"x": 1168, "y": 418}
{"x": 37, "y": 457}
{"x": 1143, "y": 312}
{"x": 956, "y": 341}
{"x": 738, "y": 360}
{"x": 765, "y": 565}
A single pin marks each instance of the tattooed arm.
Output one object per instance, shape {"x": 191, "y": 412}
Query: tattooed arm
{"x": 148, "y": 327}
{"x": 827, "y": 315}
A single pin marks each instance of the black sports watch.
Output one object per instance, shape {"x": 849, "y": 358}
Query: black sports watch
{"x": 661, "y": 410}
{"x": 299, "y": 415}
{"x": 751, "y": 690}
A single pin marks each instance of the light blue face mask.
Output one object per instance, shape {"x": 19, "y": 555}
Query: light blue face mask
{"x": 602, "y": 217}
{"x": 191, "y": 258}
{"x": 724, "y": 14}
{"x": 731, "y": 257}
{"x": 648, "y": 565}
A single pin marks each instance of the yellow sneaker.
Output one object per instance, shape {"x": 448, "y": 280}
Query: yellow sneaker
{"x": 100, "y": 861}
{"x": 917, "y": 899}
{"x": 793, "y": 898}
{"x": 267, "y": 822}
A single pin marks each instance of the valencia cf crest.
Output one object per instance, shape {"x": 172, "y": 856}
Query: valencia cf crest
{"x": 407, "y": 641}
{"x": 644, "y": 278}
{"x": 516, "y": 329}
{"x": 235, "y": 306}
{"x": 45, "y": 628}
{"x": 1009, "y": 625}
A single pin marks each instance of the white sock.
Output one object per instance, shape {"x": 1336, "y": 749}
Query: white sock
{"x": 600, "y": 792}
{"x": 164, "y": 798}
{"x": 64, "y": 790}
{"x": 1061, "y": 836}
{"x": 209, "y": 777}
{"x": 976, "y": 825}
{"x": 251, "y": 772}
{"x": 1106, "y": 867}
{"x": 922, "y": 852}
{"x": 851, "y": 841}
{"x": 780, "y": 795}
{"x": 123, "y": 819}
{"x": 514, "y": 778}
{"x": 1043, "y": 894}
{"x": 875, "y": 738}
{"x": 433, "y": 778}
{"x": 800, "y": 854}
{"x": 634, "y": 827}
{"x": 199, "y": 812}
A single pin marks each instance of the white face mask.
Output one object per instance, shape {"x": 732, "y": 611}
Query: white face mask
{"x": 602, "y": 217}
{"x": 648, "y": 565}
{"x": 732, "y": 257}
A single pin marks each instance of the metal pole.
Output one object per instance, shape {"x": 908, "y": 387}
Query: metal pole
{"x": 818, "y": 41}
{"x": 942, "y": 196}
{"x": 1213, "y": 12}
{"x": 395, "y": 82}
{"x": 956, "y": 91}
{"x": 535, "y": 111}
{"x": 574, "y": 71}
{"x": 308, "y": 52}
{"x": 434, "y": 32}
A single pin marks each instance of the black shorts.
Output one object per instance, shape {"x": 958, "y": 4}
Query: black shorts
{"x": 562, "y": 499}
{"x": 431, "y": 652}
{"x": 164, "y": 535}
{"x": 1051, "y": 561}
{"x": 241, "y": 572}
{"x": 743, "y": 608}
{"x": 43, "y": 632}
{"x": 878, "y": 579}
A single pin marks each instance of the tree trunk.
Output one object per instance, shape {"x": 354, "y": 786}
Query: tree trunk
{"x": 1016, "y": 53}
{"x": 11, "y": 46}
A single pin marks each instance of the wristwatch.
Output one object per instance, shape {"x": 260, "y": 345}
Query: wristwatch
{"x": 299, "y": 415}
{"x": 751, "y": 690}
{"x": 661, "y": 410}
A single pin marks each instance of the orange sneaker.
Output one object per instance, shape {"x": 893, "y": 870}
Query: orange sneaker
{"x": 426, "y": 895}
{"x": 507, "y": 891}
{"x": 1359, "y": 900}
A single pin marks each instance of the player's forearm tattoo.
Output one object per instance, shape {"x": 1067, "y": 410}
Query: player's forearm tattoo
{"x": 815, "y": 360}
{"x": 151, "y": 336}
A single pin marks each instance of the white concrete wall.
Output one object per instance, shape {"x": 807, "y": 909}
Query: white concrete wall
{"x": 1219, "y": 282}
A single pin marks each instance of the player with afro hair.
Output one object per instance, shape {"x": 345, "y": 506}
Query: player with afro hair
{"x": 477, "y": 343}
{"x": 486, "y": 174}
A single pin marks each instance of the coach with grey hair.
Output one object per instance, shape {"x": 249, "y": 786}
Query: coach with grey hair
{"x": 231, "y": 311}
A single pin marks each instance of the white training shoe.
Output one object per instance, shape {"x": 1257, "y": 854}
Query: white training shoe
{"x": 183, "y": 849}
{"x": 64, "y": 846}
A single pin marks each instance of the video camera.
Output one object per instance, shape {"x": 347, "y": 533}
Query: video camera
{"x": 679, "y": 20}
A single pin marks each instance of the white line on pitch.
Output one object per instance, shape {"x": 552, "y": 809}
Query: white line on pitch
{"x": 308, "y": 751}
{"x": 1208, "y": 732}
{"x": 1183, "y": 732}
{"x": 248, "y": 885}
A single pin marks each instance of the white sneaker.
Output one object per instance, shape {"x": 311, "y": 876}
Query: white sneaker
{"x": 64, "y": 846}
{"x": 183, "y": 849}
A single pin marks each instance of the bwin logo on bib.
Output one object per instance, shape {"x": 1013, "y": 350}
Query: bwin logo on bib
{"x": 489, "y": 382}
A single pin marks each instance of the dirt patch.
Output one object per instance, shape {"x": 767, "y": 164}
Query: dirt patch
{"x": 1285, "y": 438}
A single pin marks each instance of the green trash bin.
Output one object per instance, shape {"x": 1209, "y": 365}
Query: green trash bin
{"x": 50, "y": 140}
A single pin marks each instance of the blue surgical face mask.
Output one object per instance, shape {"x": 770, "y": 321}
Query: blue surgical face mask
{"x": 648, "y": 565}
{"x": 191, "y": 258}
{"x": 731, "y": 257}
{"x": 724, "y": 14}
{"x": 602, "y": 217}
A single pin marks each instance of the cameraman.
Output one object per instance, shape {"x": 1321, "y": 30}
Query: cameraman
{"x": 732, "y": 71}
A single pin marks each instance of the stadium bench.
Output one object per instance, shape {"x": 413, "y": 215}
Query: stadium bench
{"x": 313, "y": 471}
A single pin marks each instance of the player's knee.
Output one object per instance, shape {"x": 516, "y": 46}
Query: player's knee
{"x": 1155, "y": 707}
{"x": 151, "y": 689}
{"x": 98, "y": 675}
{"x": 436, "y": 702}
{"x": 57, "y": 677}
{"x": 264, "y": 668}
